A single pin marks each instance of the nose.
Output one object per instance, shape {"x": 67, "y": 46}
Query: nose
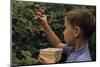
{"x": 63, "y": 32}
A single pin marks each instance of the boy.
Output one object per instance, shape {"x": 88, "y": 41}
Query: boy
{"x": 79, "y": 26}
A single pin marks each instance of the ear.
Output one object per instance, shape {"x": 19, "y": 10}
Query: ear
{"x": 77, "y": 31}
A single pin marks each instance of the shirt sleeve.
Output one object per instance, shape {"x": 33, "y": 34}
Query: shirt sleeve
{"x": 67, "y": 49}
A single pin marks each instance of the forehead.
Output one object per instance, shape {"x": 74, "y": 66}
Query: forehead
{"x": 66, "y": 22}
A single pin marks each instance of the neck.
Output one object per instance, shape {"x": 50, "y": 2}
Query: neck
{"x": 79, "y": 44}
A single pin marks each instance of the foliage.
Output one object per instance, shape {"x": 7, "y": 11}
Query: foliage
{"x": 28, "y": 36}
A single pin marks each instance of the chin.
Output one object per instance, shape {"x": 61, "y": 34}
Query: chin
{"x": 69, "y": 44}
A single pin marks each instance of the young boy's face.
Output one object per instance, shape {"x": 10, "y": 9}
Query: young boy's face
{"x": 69, "y": 35}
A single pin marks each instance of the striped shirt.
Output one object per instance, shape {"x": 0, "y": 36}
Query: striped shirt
{"x": 77, "y": 56}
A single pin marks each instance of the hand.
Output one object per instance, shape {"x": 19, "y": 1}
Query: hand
{"x": 44, "y": 60}
{"x": 41, "y": 17}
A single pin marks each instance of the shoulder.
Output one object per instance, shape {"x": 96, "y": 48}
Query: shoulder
{"x": 67, "y": 48}
{"x": 85, "y": 56}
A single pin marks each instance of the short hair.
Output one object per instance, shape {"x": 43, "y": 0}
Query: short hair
{"x": 82, "y": 18}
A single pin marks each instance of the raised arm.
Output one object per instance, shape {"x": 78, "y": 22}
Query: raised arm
{"x": 53, "y": 39}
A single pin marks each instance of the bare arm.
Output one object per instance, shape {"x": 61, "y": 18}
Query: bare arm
{"x": 53, "y": 39}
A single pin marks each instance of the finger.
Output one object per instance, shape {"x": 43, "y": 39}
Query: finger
{"x": 42, "y": 11}
{"x": 37, "y": 17}
{"x": 39, "y": 13}
{"x": 41, "y": 60}
{"x": 45, "y": 60}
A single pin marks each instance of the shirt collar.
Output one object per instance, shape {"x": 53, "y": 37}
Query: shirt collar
{"x": 82, "y": 49}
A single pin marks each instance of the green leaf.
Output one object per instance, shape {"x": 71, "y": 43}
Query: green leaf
{"x": 26, "y": 53}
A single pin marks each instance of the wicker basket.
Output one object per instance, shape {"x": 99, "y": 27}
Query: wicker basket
{"x": 52, "y": 54}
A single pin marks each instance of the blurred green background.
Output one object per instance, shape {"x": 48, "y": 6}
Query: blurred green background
{"x": 28, "y": 36}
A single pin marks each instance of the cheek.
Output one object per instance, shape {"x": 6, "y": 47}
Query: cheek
{"x": 66, "y": 33}
{"x": 68, "y": 36}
